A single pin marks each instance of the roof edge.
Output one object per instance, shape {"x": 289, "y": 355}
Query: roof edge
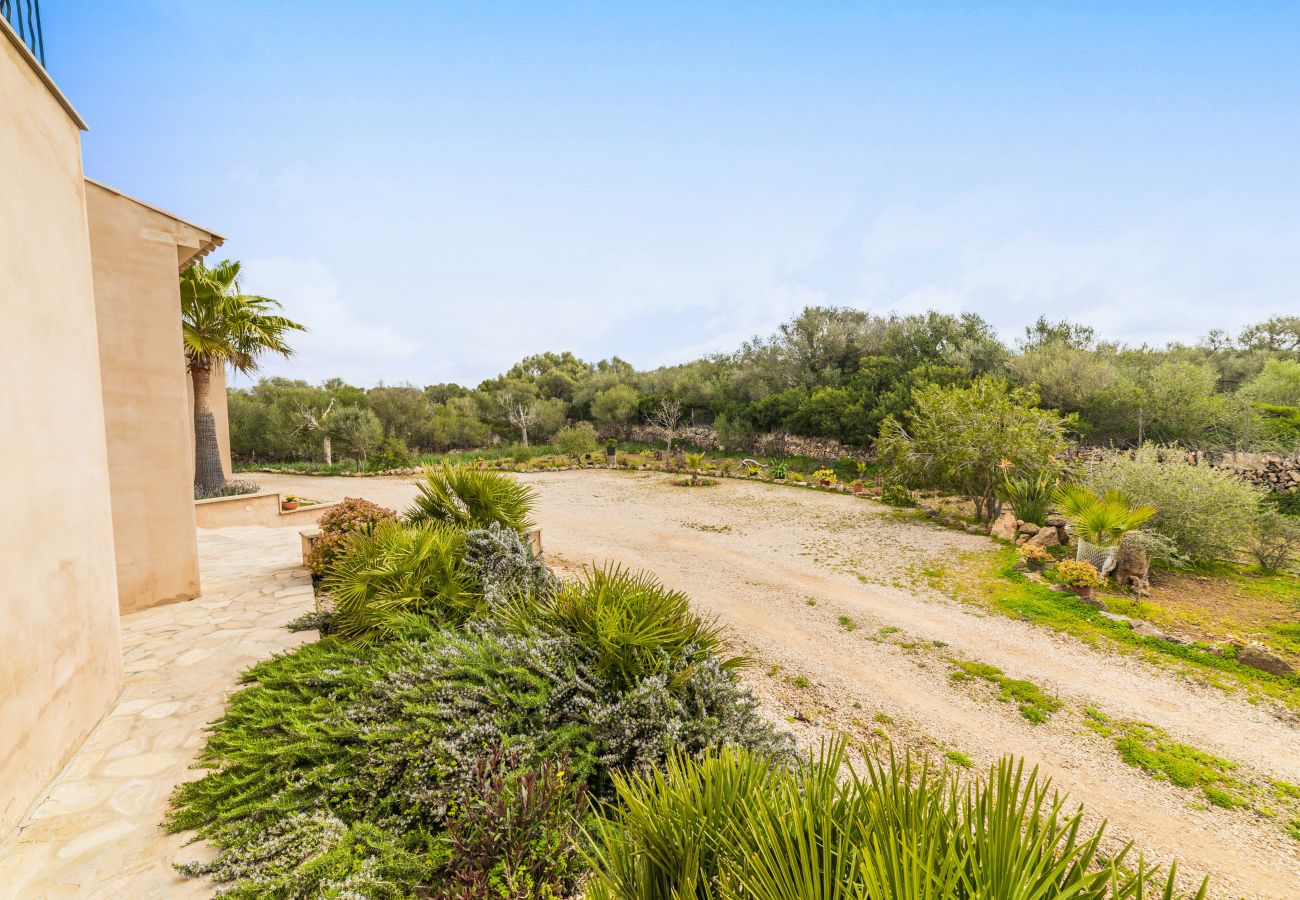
{"x": 25, "y": 52}
{"x": 206, "y": 245}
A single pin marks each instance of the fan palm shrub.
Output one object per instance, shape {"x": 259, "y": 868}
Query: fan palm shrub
{"x": 471, "y": 498}
{"x": 728, "y": 824}
{"x": 395, "y": 576}
{"x": 633, "y": 626}
{"x": 1104, "y": 519}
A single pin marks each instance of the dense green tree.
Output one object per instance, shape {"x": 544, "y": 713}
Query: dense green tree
{"x": 971, "y": 439}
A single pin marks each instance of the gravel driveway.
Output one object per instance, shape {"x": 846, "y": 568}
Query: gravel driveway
{"x": 780, "y": 566}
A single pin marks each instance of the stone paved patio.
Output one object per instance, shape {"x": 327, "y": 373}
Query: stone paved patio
{"x": 95, "y": 833}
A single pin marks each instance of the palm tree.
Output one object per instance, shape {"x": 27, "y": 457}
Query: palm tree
{"x": 221, "y": 325}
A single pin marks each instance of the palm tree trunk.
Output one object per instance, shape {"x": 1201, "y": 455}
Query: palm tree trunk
{"x": 208, "y": 475}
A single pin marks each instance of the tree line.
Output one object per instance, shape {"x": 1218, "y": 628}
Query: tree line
{"x": 828, "y": 372}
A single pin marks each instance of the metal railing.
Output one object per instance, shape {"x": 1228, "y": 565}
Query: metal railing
{"x": 25, "y": 17}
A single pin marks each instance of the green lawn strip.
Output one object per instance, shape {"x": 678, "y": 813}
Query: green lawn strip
{"x": 1150, "y": 749}
{"x": 1034, "y": 704}
{"x": 1005, "y": 590}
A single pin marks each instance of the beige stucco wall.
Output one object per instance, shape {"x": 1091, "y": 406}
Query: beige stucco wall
{"x": 220, "y": 417}
{"x": 135, "y": 252}
{"x": 60, "y": 654}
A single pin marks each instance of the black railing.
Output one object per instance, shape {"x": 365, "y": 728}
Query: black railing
{"x": 25, "y": 17}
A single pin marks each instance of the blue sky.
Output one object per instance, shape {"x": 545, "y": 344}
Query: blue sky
{"x": 438, "y": 189}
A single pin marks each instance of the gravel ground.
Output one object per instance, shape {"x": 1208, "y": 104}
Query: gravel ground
{"x": 754, "y": 555}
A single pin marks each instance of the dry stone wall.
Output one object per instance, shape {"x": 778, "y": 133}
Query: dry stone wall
{"x": 706, "y": 438}
{"x": 1273, "y": 471}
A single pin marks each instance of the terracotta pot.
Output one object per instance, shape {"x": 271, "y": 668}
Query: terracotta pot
{"x": 825, "y": 483}
{"x": 1087, "y": 593}
{"x": 857, "y": 488}
{"x": 288, "y": 505}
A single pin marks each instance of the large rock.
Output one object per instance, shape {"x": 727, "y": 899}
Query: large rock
{"x": 1046, "y": 537}
{"x": 1132, "y": 569}
{"x": 1028, "y": 528}
{"x": 1146, "y": 630}
{"x": 1056, "y": 520}
{"x": 1259, "y": 658}
{"x": 1004, "y": 527}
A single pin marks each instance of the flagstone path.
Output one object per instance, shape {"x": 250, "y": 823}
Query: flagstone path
{"x": 96, "y": 832}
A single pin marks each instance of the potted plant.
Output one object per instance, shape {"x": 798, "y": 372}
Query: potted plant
{"x": 289, "y": 502}
{"x": 1034, "y": 556}
{"x": 856, "y": 486}
{"x": 1079, "y": 575}
{"x": 611, "y": 449}
{"x": 825, "y": 477}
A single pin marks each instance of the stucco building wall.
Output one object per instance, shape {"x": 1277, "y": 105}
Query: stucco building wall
{"x": 60, "y": 653}
{"x": 136, "y": 252}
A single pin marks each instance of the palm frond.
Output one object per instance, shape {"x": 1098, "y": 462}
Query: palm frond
{"x": 471, "y": 498}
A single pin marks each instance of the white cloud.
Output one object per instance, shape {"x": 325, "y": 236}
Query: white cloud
{"x": 341, "y": 339}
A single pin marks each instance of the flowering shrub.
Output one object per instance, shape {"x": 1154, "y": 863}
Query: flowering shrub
{"x": 1034, "y": 554}
{"x": 1078, "y": 573}
{"x": 351, "y": 516}
{"x": 827, "y": 476}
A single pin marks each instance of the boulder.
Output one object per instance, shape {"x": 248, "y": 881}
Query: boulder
{"x": 1028, "y": 528}
{"x": 1095, "y": 602}
{"x": 1258, "y": 658}
{"x": 1056, "y": 520}
{"x": 1116, "y": 617}
{"x": 1004, "y": 527}
{"x": 1046, "y": 537}
{"x": 1146, "y": 630}
{"x": 1132, "y": 569}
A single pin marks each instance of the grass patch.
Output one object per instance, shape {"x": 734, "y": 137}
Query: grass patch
{"x": 958, "y": 758}
{"x": 847, "y": 624}
{"x": 888, "y": 630}
{"x": 1150, "y": 749}
{"x": 1034, "y": 703}
{"x": 990, "y": 580}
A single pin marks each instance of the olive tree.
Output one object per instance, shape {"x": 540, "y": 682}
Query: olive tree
{"x": 969, "y": 438}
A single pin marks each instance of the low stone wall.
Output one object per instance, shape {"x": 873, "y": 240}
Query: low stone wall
{"x": 1273, "y": 471}
{"x": 706, "y": 438}
{"x": 253, "y": 509}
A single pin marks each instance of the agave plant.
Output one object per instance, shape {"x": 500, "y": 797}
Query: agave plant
{"x": 1029, "y": 497}
{"x": 398, "y": 576}
{"x": 1100, "y": 520}
{"x": 633, "y": 626}
{"x": 729, "y": 824}
{"x": 471, "y": 498}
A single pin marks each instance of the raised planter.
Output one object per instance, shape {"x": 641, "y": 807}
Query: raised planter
{"x": 263, "y": 508}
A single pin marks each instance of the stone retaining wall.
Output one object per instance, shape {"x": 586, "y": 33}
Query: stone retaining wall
{"x": 706, "y": 438}
{"x": 1273, "y": 471}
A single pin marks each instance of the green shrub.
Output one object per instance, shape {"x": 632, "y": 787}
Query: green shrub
{"x": 520, "y": 454}
{"x": 471, "y": 498}
{"x": 704, "y": 827}
{"x": 336, "y": 771}
{"x": 229, "y": 489}
{"x": 349, "y": 516}
{"x": 633, "y": 625}
{"x": 391, "y": 454}
{"x": 1288, "y": 504}
{"x": 1276, "y": 544}
{"x": 895, "y": 494}
{"x": 396, "y": 576}
{"x": 1101, "y": 520}
{"x": 576, "y": 440}
{"x": 502, "y": 564}
{"x": 515, "y": 835}
{"x": 1209, "y": 514}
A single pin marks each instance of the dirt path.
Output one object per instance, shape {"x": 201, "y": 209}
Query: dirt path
{"x": 754, "y": 555}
